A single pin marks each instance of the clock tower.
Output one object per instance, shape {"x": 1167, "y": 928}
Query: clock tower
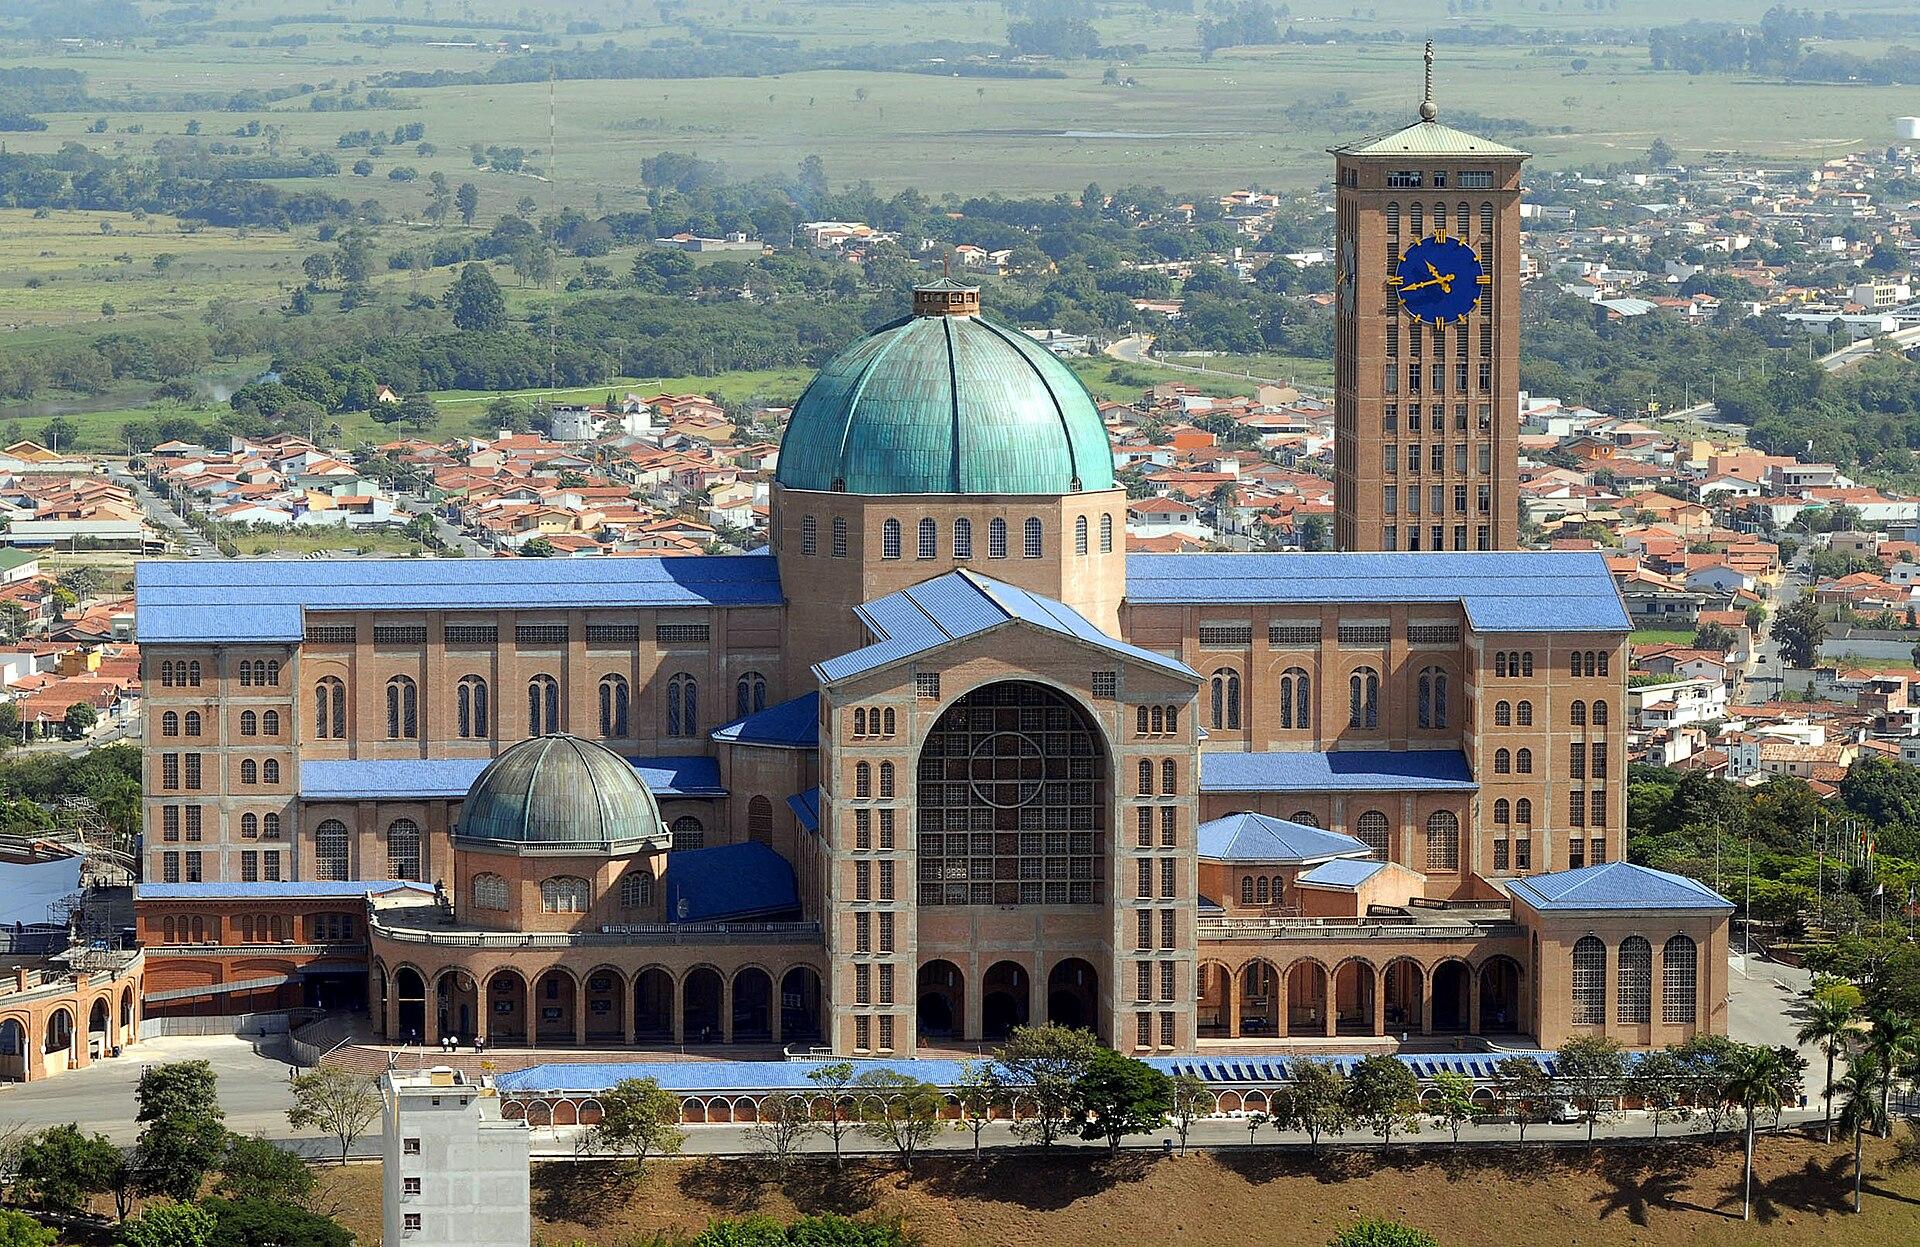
{"x": 1427, "y": 339}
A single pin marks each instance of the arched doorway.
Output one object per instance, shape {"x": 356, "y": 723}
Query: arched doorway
{"x": 556, "y": 1005}
{"x": 410, "y": 1006}
{"x": 456, "y": 1004}
{"x": 1215, "y": 1009}
{"x": 1353, "y": 997}
{"x": 653, "y": 1005}
{"x": 753, "y": 1006}
{"x": 1073, "y": 995}
{"x": 13, "y": 1050}
{"x": 700, "y": 1006}
{"x": 1259, "y": 999}
{"x": 1307, "y": 999}
{"x": 1400, "y": 983}
{"x": 58, "y": 1046}
{"x": 1006, "y": 999}
{"x": 100, "y": 1028}
{"x": 506, "y": 1008}
{"x": 128, "y": 1032}
{"x": 606, "y": 997}
{"x": 800, "y": 1005}
{"x": 1500, "y": 996}
{"x": 1451, "y": 993}
{"x": 940, "y": 999}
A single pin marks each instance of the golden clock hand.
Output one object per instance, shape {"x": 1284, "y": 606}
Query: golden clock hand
{"x": 1442, "y": 280}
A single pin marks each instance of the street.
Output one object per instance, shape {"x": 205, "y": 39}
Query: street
{"x": 450, "y": 537}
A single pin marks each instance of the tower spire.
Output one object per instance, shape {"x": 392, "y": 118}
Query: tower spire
{"x": 1427, "y": 111}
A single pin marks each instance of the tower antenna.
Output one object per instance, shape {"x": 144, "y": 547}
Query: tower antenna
{"x": 1427, "y": 111}
{"x": 553, "y": 260}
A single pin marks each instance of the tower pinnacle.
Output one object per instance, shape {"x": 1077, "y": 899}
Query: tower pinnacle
{"x": 1427, "y": 111}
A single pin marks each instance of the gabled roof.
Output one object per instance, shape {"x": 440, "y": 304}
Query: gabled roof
{"x": 1344, "y": 770}
{"x": 1427, "y": 138}
{"x": 1344, "y": 873}
{"x": 793, "y": 724}
{"x": 962, "y": 604}
{"x": 1616, "y": 885}
{"x": 1260, "y": 838}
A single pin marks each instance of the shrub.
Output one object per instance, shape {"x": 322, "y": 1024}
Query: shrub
{"x": 1372, "y": 1232}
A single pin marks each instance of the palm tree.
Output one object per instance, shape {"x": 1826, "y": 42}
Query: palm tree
{"x": 1864, "y": 1084}
{"x": 1757, "y": 1081}
{"x": 1829, "y": 1025}
{"x": 1892, "y": 1038}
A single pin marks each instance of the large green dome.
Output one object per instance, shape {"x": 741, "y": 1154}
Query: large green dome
{"x": 560, "y": 793}
{"x": 946, "y": 403}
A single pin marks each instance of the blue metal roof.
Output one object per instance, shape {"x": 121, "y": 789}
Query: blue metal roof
{"x": 28, "y": 890}
{"x": 1343, "y": 770}
{"x": 424, "y": 778}
{"x": 729, "y": 881}
{"x": 806, "y": 808}
{"x": 963, "y": 604}
{"x": 1523, "y": 591}
{"x": 1259, "y": 838}
{"x": 1342, "y": 872}
{"x": 287, "y": 889}
{"x": 198, "y": 600}
{"x": 1616, "y": 885}
{"x": 793, "y": 724}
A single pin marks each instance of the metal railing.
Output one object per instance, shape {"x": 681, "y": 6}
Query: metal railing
{"x": 1353, "y": 928}
{"x": 631, "y": 934}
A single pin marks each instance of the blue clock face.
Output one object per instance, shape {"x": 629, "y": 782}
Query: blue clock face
{"x": 1439, "y": 280}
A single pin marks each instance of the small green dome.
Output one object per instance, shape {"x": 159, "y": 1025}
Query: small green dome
{"x": 946, "y": 404}
{"x": 560, "y": 792}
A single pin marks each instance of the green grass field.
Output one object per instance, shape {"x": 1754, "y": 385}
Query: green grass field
{"x": 1293, "y": 369}
{"x": 1662, "y": 636}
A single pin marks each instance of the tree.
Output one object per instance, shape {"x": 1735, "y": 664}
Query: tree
{"x": 1658, "y": 1080}
{"x": 638, "y": 1118}
{"x": 1192, "y": 1099}
{"x": 417, "y": 412}
{"x": 80, "y": 719}
{"x": 17, "y": 1229}
{"x": 467, "y": 201}
{"x": 59, "y": 433}
{"x": 1893, "y": 1039}
{"x": 261, "y": 1223}
{"x": 1046, "y": 1062}
{"x": 319, "y": 270}
{"x": 900, "y": 1111}
{"x": 537, "y": 548}
{"x": 1591, "y": 1069}
{"x": 1452, "y": 1101}
{"x": 1799, "y": 629}
{"x": 1384, "y": 1096}
{"x": 834, "y": 1079}
{"x": 1117, "y": 1096}
{"x": 1380, "y": 1233}
{"x": 1714, "y": 636}
{"x": 184, "y": 1131}
{"x": 353, "y": 258}
{"x": 170, "y": 1225}
{"x": 981, "y": 1092}
{"x": 1524, "y": 1089}
{"x": 1313, "y": 533}
{"x": 1660, "y": 154}
{"x": 785, "y": 1121}
{"x": 338, "y": 1101}
{"x": 1831, "y": 1020}
{"x": 257, "y": 1169}
{"x": 1863, "y": 1087}
{"x": 1314, "y": 1100}
{"x": 475, "y": 300}
{"x": 1760, "y": 1080}
{"x": 61, "y": 1168}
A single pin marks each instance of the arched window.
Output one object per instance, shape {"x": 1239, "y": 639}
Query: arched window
{"x": 929, "y": 538}
{"x": 273, "y": 674}
{"x": 193, "y": 722}
{"x": 1502, "y": 762}
{"x": 1523, "y": 762}
{"x": 249, "y": 771}
{"x": 563, "y": 894}
{"x": 403, "y": 709}
{"x": 1503, "y": 714}
{"x": 1577, "y": 714}
{"x": 613, "y": 707}
{"x": 1432, "y": 699}
{"x": 1246, "y": 889}
{"x": 1169, "y": 777}
{"x": 1226, "y": 699}
{"x": 193, "y": 674}
{"x": 1526, "y": 663}
{"x": 1106, "y": 533}
{"x": 270, "y": 826}
{"x": 246, "y": 672}
{"x": 543, "y": 706}
{"x": 996, "y": 539}
{"x": 683, "y": 706}
{"x": 472, "y": 699}
{"x": 859, "y": 721}
{"x": 1262, "y": 891}
{"x": 1634, "y": 996}
{"x": 1502, "y": 812}
{"x": 890, "y": 539}
{"x": 1523, "y": 714}
{"x": 170, "y": 722}
{"x": 1080, "y": 535}
{"x": 1500, "y": 663}
{"x": 1146, "y": 778}
{"x": 269, "y": 722}
{"x": 1679, "y": 980}
{"x": 1371, "y": 829}
{"x": 863, "y": 779}
{"x": 749, "y": 694}
{"x": 249, "y": 826}
{"x": 489, "y": 892}
{"x": 1599, "y": 714}
{"x": 1363, "y": 698}
{"x": 839, "y": 536}
{"x": 1031, "y": 547}
{"x": 1305, "y": 818}
{"x": 1486, "y": 218}
{"x": 688, "y": 833}
{"x": 270, "y": 771}
{"x": 963, "y": 538}
{"x": 330, "y": 851}
{"x": 886, "y": 780}
{"x": 886, "y": 721}
{"x": 1589, "y": 986}
{"x": 166, "y": 674}
{"x": 249, "y": 723}
{"x": 1296, "y": 699}
{"x": 330, "y": 709}
{"x": 809, "y": 535}
{"x": 403, "y": 849}
{"x": 760, "y": 820}
{"x": 636, "y": 889}
{"x": 1443, "y": 841}
{"x": 1523, "y": 811}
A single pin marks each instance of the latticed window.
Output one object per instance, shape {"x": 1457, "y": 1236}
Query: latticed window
{"x": 1589, "y": 985}
{"x": 330, "y": 850}
{"x": 1679, "y": 980}
{"x": 1503, "y": 714}
{"x": 749, "y": 694}
{"x": 614, "y": 706}
{"x": 1635, "y": 996}
{"x": 929, "y": 538}
{"x": 403, "y": 709}
{"x": 563, "y": 894}
{"x": 997, "y": 539}
{"x": 1080, "y": 535}
{"x": 1031, "y": 547}
{"x": 1577, "y": 714}
{"x": 1296, "y": 699}
{"x": 403, "y": 849}
{"x": 1363, "y": 698}
{"x": 1432, "y": 698}
{"x": 1106, "y": 534}
{"x": 1443, "y": 841}
{"x": 809, "y": 534}
{"x": 760, "y": 820}
{"x": 489, "y": 892}
{"x": 890, "y": 539}
{"x": 1372, "y": 830}
{"x": 963, "y": 538}
{"x": 683, "y": 706}
{"x": 839, "y": 536}
{"x": 472, "y": 707}
{"x": 688, "y": 833}
{"x": 1226, "y": 699}
{"x": 543, "y": 706}
{"x": 636, "y": 889}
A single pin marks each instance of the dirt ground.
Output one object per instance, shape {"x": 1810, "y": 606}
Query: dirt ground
{"x": 1673, "y": 1196}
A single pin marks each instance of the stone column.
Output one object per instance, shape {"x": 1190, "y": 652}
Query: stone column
{"x": 1235, "y": 986}
{"x": 390, "y": 1013}
{"x": 480, "y": 1007}
{"x": 726, "y": 1009}
{"x": 1379, "y": 1003}
{"x": 1330, "y": 1022}
{"x": 430, "y": 1015}
{"x": 1426, "y": 1003}
{"x": 580, "y": 1013}
{"x": 629, "y": 1010}
{"x": 677, "y": 1002}
{"x": 1473, "y": 1001}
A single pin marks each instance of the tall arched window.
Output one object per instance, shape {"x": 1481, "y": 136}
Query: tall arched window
{"x": 996, "y": 538}
{"x": 890, "y": 539}
{"x": 249, "y": 771}
{"x": 683, "y": 706}
{"x": 1246, "y": 889}
{"x": 1146, "y": 778}
{"x": 1503, "y": 714}
{"x": 749, "y": 694}
{"x": 1523, "y": 714}
{"x": 1363, "y": 698}
{"x": 330, "y": 709}
{"x": 614, "y": 719}
{"x": 1634, "y": 999}
{"x": 1169, "y": 777}
{"x": 246, "y": 672}
{"x": 563, "y": 894}
{"x": 1432, "y": 699}
{"x": 489, "y": 891}
{"x": 1031, "y": 547}
{"x": 760, "y": 820}
{"x": 1106, "y": 534}
{"x": 863, "y": 779}
{"x": 886, "y": 780}
{"x": 249, "y": 826}
{"x": 1589, "y": 986}
{"x": 1523, "y": 761}
{"x": 1502, "y": 812}
{"x": 330, "y": 851}
{"x": 543, "y": 706}
{"x": 1443, "y": 841}
{"x": 929, "y": 538}
{"x": 403, "y": 709}
{"x": 1502, "y": 762}
{"x": 193, "y": 674}
{"x": 839, "y": 536}
{"x": 270, "y": 826}
{"x": 249, "y": 723}
{"x": 166, "y": 674}
{"x": 1262, "y": 891}
{"x": 170, "y": 722}
{"x": 1371, "y": 828}
{"x": 963, "y": 538}
{"x": 1080, "y": 535}
{"x": 1296, "y": 699}
{"x": 403, "y": 849}
{"x": 1679, "y": 980}
{"x": 472, "y": 701}
{"x": 809, "y": 535}
{"x": 270, "y": 771}
{"x": 269, "y": 722}
{"x": 636, "y": 889}
{"x": 688, "y": 833}
{"x": 1226, "y": 699}
{"x": 1523, "y": 812}
{"x": 1599, "y": 714}
{"x": 1577, "y": 714}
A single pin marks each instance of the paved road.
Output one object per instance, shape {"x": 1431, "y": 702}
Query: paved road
{"x": 164, "y": 518}
{"x": 253, "y": 1089}
{"x": 450, "y": 536}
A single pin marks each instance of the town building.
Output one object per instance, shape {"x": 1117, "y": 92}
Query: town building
{"x": 453, "y": 1168}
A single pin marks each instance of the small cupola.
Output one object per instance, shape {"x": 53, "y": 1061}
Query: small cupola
{"x": 946, "y": 297}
